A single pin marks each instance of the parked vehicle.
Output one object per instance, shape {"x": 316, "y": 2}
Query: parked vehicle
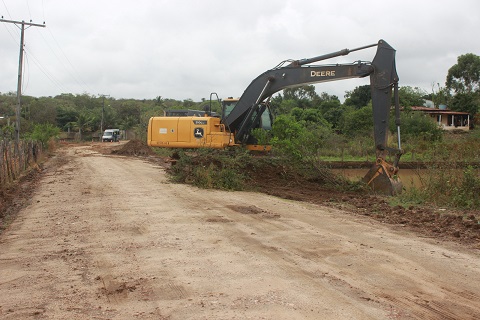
{"x": 111, "y": 135}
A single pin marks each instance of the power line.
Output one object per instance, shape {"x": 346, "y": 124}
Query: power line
{"x": 75, "y": 75}
{"x": 58, "y": 52}
{"x": 8, "y": 12}
{"x": 20, "y": 68}
{"x": 25, "y": 86}
{"x": 47, "y": 74}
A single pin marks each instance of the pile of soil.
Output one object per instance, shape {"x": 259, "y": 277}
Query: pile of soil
{"x": 134, "y": 148}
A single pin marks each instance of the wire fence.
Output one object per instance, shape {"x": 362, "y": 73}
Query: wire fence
{"x": 17, "y": 158}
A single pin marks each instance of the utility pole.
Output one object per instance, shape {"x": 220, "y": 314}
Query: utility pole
{"x": 103, "y": 111}
{"x": 20, "y": 68}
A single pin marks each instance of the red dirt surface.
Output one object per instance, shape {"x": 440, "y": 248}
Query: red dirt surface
{"x": 439, "y": 223}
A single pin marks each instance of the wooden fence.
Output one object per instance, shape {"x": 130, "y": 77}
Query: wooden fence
{"x": 15, "y": 159}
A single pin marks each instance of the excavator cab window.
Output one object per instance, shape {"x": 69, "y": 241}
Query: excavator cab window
{"x": 266, "y": 120}
{"x": 227, "y": 106}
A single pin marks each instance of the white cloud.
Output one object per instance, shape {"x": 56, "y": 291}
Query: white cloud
{"x": 187, "y": 49}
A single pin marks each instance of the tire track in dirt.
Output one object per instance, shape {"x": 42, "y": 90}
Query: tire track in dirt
{"x": 109, "y": 237}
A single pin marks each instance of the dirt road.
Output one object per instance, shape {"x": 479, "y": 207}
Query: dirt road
{"x": 108, "y": 237}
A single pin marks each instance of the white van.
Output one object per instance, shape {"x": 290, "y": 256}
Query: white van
{"x": 111, "y": 135}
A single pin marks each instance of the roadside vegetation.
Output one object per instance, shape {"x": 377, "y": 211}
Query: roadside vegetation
{"x": 310, "y": 131}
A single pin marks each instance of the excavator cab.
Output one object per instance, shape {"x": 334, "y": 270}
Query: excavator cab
{"x": 265, "y": 119}
{"x": 228, "y": 104}
{"x": 261, "y": 118}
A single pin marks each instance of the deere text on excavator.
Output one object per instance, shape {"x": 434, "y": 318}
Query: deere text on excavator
{"x": 240, "y": 116}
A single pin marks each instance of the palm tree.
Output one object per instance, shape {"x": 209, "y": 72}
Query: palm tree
{"x": 83, "y": 121}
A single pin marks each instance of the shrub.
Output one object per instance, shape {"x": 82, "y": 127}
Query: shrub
{"x": 43, "y": 133}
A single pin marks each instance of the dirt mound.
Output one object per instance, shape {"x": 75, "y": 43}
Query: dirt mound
{"x": 134, "y": 148}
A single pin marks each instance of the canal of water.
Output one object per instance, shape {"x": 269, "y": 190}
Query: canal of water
{"x": 409, "y": 177}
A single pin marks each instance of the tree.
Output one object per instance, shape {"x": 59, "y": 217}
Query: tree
{"x": 465, "y": 102}
{"x": 440, "y": 97}
{"x": 463, "y": 80}
{"x": 128, "y": 113}
{"x": 66, "y": 115}
{"x": 410, "y": 97}
{"x": 357, "y": 122}
{"x": 464, "y": 77}
{"x": 83, "y": 121}
{"x": 306, "y": 92}
{"x": 417, "y": 125}
{"x": 296, "y": 140}
{"x": 304, "y": 96}
{"x": 44, "y": 132}
{"x": 312, "y": 118}
{"x": 42, "y": 111}
{"x": 358, "y": 97}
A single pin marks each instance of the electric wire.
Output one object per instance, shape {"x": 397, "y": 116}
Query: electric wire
{"x": 6, "y": 8}
{"x": 55, "y": 52}
{"x": 15, "y": 39}
{"x": 29, "y": 12}
{"x": 24, "y": 72}
{"x": 81, "y": 85}
{"x": 75, "y": 75}
{"x": 46, "y": 72}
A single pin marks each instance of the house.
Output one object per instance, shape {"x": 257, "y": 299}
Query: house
{"x": 448, "y": 120}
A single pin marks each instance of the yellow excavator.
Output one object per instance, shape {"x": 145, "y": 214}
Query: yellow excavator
{"x": 190, "y": 129}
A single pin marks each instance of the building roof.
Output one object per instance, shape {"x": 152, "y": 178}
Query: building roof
{"x": 437, "y": 111}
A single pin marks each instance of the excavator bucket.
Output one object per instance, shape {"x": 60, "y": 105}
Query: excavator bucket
{"x": 382, "y": 178}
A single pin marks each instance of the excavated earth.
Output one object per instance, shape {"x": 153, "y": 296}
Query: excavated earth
{"x": 99, "y": 232}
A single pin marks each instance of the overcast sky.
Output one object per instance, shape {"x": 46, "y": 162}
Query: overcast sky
{"x": 185, "y": 49}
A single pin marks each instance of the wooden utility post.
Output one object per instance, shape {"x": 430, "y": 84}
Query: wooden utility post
{"x": 103, "y": 111}
{"x": 21, "y": 25}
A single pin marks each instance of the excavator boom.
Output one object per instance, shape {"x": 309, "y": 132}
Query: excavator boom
{"x": 383, "y": 78}
{"x": 237, "y": 124}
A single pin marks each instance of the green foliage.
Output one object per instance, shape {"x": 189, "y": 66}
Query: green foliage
{"x": 410, "y": 97}
{"x": 285, "y": 106}
{"x": 206, "y": 168}
{"x": 262, "y": 136}
{"x": 299, "y": 139}
{"x": 7, "y": 131}
{"x": 334, "y": 116}
{"x": 210, "y": 177}
{"x": 357, "y": 122}
{"x": 311, "y": 118}
{"x": 450, "y": 181}
{"x": 465, "y": 102}
{"x": 66, "y": 115}
{"x": 466, "y": 193}
{"x": 442, "y": 96}
{"x": 464, "y": 76}
{"x": 43, "y": 133}
{"x": 41, "y": 111}
{"x": 417, "y": 126}
{"x": 358, "y": 97}
{"x": 303, "y": 97}
{"x": 463, "y": 79}
{"x": 330, "y": 103}
{"x": 447, "y": 187}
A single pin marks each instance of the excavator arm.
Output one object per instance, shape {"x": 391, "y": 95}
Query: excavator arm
{"x": 275, "y": 80}
{"x": 383, "y": 80}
